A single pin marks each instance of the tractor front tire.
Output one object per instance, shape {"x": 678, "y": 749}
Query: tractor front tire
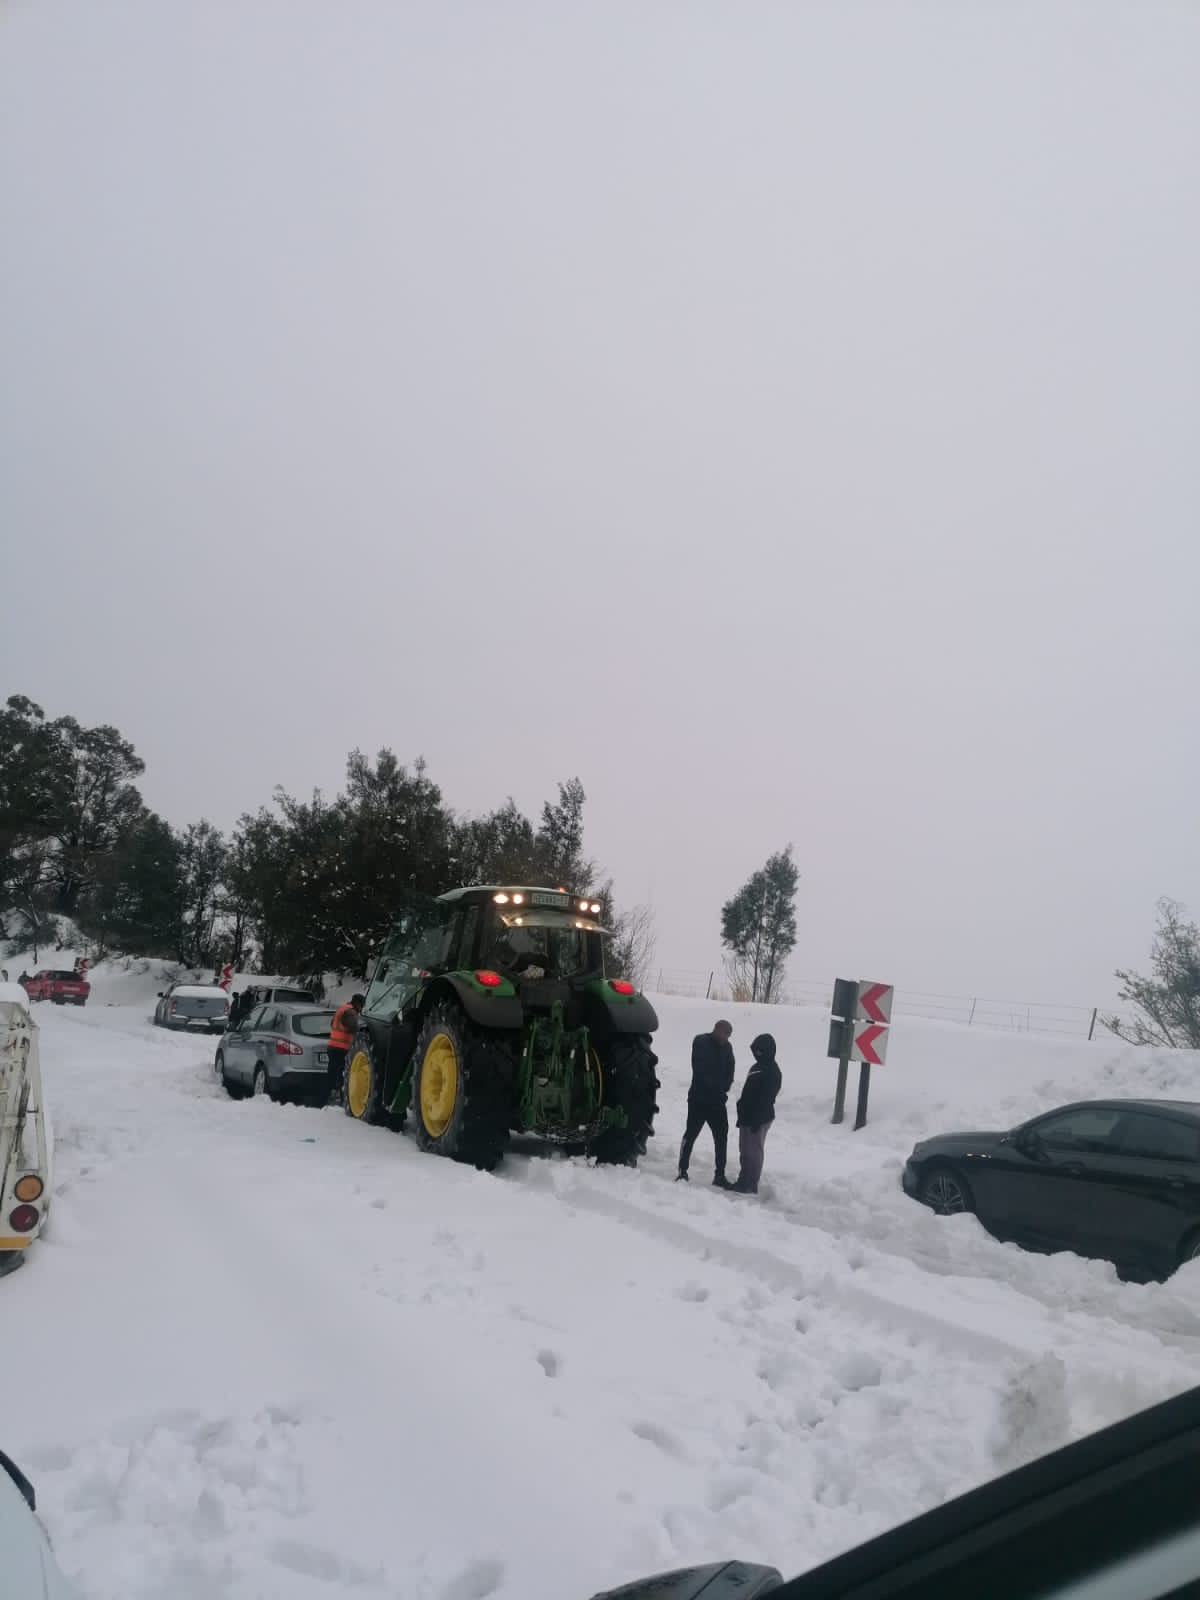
{"x": 630, "y": 1082}
{"x": 362, "y": 1092}
{"x": 462, "y": 1089}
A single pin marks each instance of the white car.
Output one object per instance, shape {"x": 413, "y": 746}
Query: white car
{"x": 185, "y": 1003}
{"x": 27, "y": 1564}
{"x": 26, "y": 1145}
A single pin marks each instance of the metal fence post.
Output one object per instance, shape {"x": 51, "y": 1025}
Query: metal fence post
{"x": 708, "y": 991}
{"x": 1092, "y": 1024}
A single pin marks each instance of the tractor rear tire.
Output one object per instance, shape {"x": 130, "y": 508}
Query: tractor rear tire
{"x": 630, "y": 1082}
{"x": 462, "y": 1089}
{"x": 362, "y": 1092}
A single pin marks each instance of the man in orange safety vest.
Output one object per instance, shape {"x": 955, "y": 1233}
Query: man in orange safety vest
{"x": 341, "y": 1036}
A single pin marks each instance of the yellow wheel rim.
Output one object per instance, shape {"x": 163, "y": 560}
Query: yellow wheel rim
{"x": 439, "y": 1084}
{"x": 358, "y": 1083}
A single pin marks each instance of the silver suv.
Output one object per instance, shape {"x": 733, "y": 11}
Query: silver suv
{"x": 278, "y": 1049}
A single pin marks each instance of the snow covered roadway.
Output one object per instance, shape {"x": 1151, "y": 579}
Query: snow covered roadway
{"x": 268, "y": 1352}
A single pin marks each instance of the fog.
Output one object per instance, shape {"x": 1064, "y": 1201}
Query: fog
{"x": 782, "y": 416}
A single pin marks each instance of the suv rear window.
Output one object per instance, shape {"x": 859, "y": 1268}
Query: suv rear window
{"x": 312, "y": 1024}
{"x": 292, "y": 994}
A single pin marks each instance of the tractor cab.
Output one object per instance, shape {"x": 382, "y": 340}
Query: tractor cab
{"x": 540, "y": 943}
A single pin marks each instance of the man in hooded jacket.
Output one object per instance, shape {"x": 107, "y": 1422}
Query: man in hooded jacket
{"x": 756, "y": 1112}
{"x": 712, "y": 1079}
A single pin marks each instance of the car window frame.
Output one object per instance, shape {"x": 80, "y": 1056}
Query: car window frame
{"x": 1106, "y": 1144}
{"x": 1159, "y": 1120}
{"x": 294, "y": 1017}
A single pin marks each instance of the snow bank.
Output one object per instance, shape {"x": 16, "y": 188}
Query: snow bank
{"x": 280, "y": 1353}
{"x": 14, "y": 995}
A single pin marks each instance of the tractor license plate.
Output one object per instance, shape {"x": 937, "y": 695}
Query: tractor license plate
{"x": 541, "y": 899}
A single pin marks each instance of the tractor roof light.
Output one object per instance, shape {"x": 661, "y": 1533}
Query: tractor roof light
{"x": 595, "y": 910}
{"x": 518, "y": 899}
{"x": 500, "y": 899}
{"x": 488, "y": 980}
{"x": 583, "y": 905}
{"x": 621, "y": 986}
{"x": 29, "y": 1187}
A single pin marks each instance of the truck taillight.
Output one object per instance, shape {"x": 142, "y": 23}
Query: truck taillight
{"x": 621, "y": 986}
{"x": 285, "y": 1047}
{"x": 23, "y": 1219}
{"x": 29, "y": 1187}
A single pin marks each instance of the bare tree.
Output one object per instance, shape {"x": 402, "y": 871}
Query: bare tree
{"x": 1168, "y": 1004}
{"x": 632, "y": 944}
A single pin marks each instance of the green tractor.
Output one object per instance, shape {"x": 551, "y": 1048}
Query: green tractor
{"x": 489, "y": 1012}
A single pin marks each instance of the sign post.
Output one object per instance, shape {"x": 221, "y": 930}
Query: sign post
{"x": 845, "y": 998}
{"x": 859, "y": 1031}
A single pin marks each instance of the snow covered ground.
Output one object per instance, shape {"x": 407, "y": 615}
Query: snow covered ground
{"x": 267, "y": 1352}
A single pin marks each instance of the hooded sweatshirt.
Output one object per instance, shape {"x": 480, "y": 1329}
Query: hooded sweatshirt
{"x": 756, "y": 1103}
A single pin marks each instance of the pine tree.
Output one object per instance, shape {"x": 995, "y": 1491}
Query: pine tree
{"x": 134, "y": 904}
{"x": 758, "y": 929}
{"x": 558, "y": 848}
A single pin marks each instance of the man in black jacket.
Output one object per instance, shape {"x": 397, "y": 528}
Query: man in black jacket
{"x": 712, "y": 1079}
{"x": 756, "y": 1111}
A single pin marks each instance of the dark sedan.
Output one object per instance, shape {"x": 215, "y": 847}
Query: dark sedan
{"x": 1116, "y": 1179}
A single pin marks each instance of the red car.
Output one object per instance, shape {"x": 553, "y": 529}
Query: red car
{"x": 64, "y": 988}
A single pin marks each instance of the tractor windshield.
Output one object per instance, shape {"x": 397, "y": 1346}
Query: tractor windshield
{"x": 548, "y": 944}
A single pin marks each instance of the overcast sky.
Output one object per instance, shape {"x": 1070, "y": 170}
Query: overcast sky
{"x": 785, "y": 416}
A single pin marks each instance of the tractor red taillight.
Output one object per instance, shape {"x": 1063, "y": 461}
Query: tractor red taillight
{"x": 621, "y": 986}
{"x": 23, "y": 1219}
{"x": 285, "y": 1047}
{"x": 488, "y": 980}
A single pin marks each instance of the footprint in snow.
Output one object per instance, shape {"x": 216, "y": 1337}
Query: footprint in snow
{"x": 310, "y": 1561}
{"x": 663, "y": 1438}
{"x": 549, "y": 1363}
{"x": 475, "y": 1582}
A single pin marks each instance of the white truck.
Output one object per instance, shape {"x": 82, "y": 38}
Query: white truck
{"x": 26, "y": 1146}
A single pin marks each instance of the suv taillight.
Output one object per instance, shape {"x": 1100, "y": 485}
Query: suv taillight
{"x": 174, "y": 1005}
{"x": 285, "y": 1047}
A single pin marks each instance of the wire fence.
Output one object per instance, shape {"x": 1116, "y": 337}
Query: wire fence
{"x": 976, "y": 1011}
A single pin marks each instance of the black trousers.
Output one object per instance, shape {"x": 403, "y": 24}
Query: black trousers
{"x": 714, "y": 1114}
{"x": 337, "y": 1074}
